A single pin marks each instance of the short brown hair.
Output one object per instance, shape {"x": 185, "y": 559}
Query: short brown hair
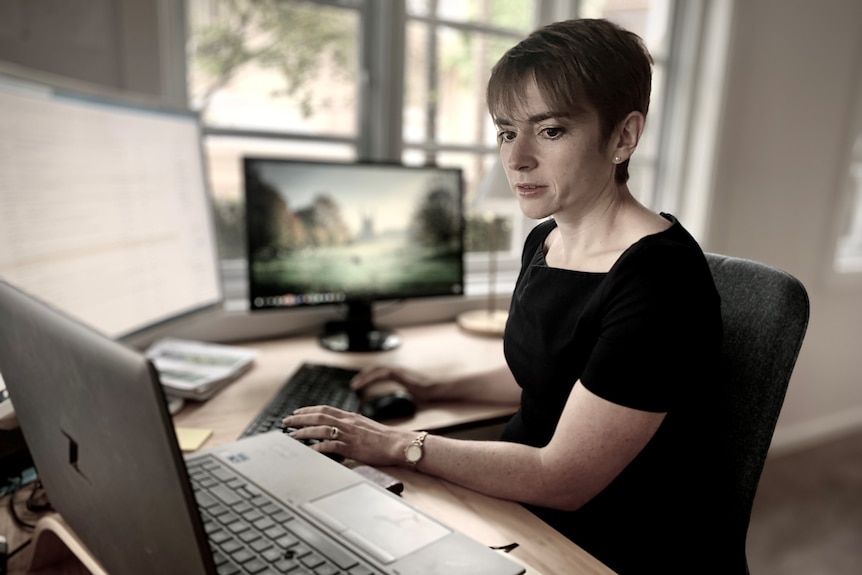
{"x": 577, "y": 64}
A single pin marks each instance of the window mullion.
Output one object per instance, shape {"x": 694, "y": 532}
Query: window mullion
{"x": 382, "y": 82}
{"x": 548, "y": 11}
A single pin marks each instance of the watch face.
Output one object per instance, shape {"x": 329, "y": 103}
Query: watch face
{"x": 413, "y": 453}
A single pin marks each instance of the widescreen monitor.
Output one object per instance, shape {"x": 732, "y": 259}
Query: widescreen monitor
{"x": 351, "y": 234}
{"x": 104, "y": 206}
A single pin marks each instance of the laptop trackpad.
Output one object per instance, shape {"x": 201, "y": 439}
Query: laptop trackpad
{"x": 386, "y": 527}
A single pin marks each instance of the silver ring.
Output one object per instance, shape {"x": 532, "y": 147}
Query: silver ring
{"x": 334, "y": 433}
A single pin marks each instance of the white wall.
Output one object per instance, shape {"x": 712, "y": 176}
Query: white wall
{"x": 781, "y": 171}
{"x": 122, "y": 44}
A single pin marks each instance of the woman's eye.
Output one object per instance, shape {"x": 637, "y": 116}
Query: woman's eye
{"x": 553, "y": 132}
{"x": 505, "y": 136}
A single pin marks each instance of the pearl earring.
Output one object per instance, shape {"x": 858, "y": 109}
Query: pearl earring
{"x": 616, "y": 159}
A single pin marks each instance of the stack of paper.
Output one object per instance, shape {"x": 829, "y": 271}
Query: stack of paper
{"x": 196, "y": 369}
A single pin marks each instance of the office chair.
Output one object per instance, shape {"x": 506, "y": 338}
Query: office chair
{"x": 765, "y": 313}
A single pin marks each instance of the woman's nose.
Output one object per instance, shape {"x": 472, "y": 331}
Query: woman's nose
{"x": 521, "y": 156}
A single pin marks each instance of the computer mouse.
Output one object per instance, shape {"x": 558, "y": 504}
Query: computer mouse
{"x": 391, "y": 405}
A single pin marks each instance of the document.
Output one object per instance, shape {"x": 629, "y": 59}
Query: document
{"x": 195, "y": 369}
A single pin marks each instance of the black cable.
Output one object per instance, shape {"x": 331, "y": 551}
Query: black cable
{"x": 505, "y": 548}
{"x": 17, "y": 549}
{"x": 13, "y": 512}
{"x": 32, "y": 505}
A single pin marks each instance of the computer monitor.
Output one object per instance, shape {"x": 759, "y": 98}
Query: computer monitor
{"x": 104, "y": 206}
{"x": 325, "y": 233}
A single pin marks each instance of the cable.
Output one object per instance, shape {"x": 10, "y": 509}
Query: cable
{"x": 17, "y": 549}
{"x": 14, "y": 513}
{"x": 32, "y": 504}
{"x": 505, "y": 548}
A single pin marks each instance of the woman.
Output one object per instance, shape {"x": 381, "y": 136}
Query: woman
{"x": 613, "y": 334}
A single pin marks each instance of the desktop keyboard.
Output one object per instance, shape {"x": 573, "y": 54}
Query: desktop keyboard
{"x": 311, "y": 384}
{"x": 250, "y": 532}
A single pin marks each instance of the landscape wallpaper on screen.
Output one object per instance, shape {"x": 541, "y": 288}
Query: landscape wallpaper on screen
{"x": 321, "y": 233}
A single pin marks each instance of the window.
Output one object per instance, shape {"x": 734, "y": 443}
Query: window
{"x": 327, "y": 79}
{"x": 270, "y": 78}
{"x": 451, "y": 46}
{"x": 848, "y": 256}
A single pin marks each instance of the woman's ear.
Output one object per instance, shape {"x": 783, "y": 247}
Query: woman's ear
{"x": 629, "y": 134}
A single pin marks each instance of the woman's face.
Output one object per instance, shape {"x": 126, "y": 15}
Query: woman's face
{"x": 556, "y": 162}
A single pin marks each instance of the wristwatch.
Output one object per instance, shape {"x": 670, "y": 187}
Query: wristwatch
{"x": 414, "y": 452}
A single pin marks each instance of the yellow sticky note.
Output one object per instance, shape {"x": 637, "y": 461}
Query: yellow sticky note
{"x": 191, "y": 438}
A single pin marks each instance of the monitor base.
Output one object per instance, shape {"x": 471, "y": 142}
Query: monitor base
{"x": 352, "y": 340}
{"x": 357, "y": 331}
{"x": 484, "y": 322}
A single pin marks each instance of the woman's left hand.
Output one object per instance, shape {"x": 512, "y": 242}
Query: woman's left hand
{"x": 349, "y": 434}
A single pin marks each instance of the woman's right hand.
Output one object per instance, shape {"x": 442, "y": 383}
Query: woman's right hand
{"x": 420, "y": 386}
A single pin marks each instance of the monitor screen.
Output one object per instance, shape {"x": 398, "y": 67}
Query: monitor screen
{"x": 104, "y": 208}
{"x": 336, "y": 233}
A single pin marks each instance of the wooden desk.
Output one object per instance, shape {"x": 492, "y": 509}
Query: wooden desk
{"x": 439, "y": 349}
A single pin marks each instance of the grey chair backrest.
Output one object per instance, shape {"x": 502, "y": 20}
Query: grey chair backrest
{"x": 765, "y": 314}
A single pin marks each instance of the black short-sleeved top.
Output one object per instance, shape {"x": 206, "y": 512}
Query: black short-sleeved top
{"x": 646, "y": 335}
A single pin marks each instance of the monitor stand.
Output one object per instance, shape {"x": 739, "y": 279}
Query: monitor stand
{"x": 358, "y": 332}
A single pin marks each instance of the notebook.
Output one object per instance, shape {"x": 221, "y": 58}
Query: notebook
{"x": 95, "y": 419}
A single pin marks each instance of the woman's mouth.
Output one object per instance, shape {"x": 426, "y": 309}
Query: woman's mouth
{"x": 527, "y": 190}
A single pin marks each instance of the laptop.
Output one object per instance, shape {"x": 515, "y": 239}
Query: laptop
{"x": 96, "y": 422}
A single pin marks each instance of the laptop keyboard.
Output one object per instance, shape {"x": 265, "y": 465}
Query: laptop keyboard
{"x": 251, "y": 533}
{"x": 311, "y": 384}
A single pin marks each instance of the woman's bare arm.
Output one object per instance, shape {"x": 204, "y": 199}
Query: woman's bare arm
{"x": 595, "y": 439}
